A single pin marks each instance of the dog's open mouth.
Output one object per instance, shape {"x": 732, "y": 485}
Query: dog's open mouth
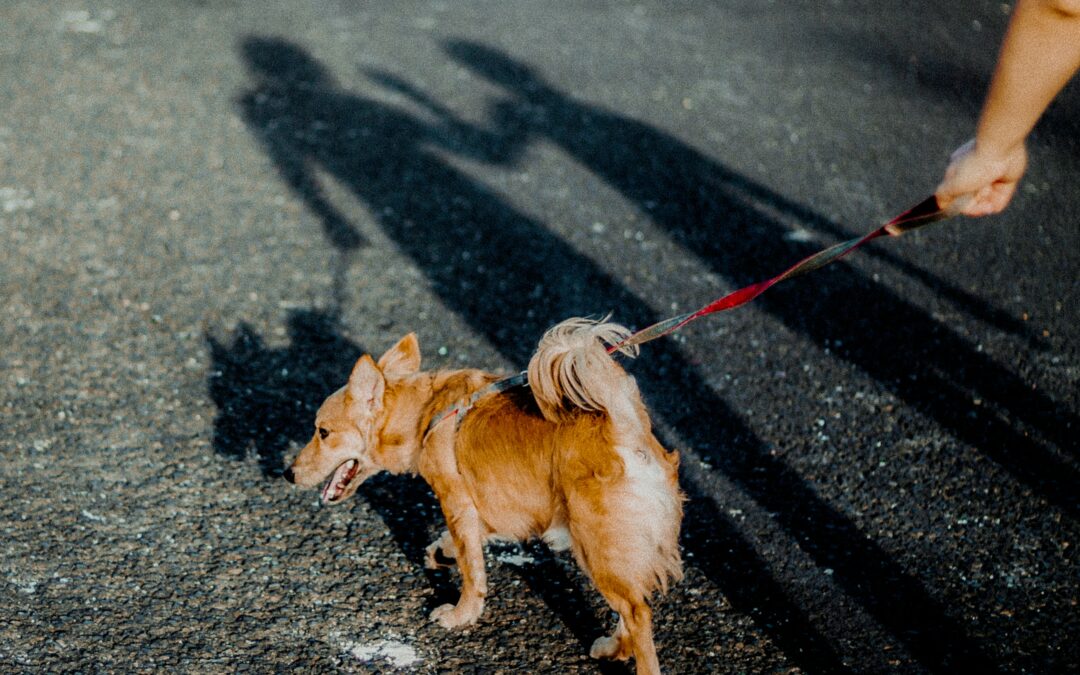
{"x": 339, "y": 482}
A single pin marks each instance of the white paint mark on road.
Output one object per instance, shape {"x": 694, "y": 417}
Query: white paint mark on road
{"x": 24, "y": 586}
{"x": 15, "y": 199}
{"x": 399, "y": 654}
{"x": 80, "y": 21}
{"x": 516, "y": 559}
{"x": 94, "y": 517}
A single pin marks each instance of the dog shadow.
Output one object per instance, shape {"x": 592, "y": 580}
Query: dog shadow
{"x": 565, "y": 596}
{"x": 267, "y": 399}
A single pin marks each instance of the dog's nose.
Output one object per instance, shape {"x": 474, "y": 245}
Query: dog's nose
{"x": 287, "y": 474}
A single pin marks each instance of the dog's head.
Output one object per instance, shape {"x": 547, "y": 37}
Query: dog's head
{"x": 345, "y": 449}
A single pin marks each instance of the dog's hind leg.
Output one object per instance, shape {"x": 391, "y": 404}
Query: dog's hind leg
{"x": 611, "y": 568}
{"x": 627, "y": 544}
{"x": 632, "y": 637}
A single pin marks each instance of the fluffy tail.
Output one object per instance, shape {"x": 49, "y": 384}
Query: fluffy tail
{"x": 572, "y": 370}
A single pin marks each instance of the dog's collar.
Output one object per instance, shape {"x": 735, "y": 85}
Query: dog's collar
{"x": 458, "y": 410}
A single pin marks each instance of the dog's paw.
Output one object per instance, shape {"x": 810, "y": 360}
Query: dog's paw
{"x": 609, "y": 647}
{"x": 455, "y": 616}
{"x": 441, "y": 553}
{"x": 436, "y": 559}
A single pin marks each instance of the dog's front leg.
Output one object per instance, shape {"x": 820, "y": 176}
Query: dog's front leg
{"x": 467, "y": 533}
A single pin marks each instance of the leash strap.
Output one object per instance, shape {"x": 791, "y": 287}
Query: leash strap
{"x": 925, "y": 212}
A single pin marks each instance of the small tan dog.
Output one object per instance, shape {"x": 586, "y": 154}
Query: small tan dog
{"x": 571, "y": 459}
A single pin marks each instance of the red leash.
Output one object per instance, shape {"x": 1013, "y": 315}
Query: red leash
{"x": 925, "y": 212}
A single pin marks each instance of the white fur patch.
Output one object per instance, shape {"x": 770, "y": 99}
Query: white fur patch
{"x": 642, "y": 468}
{"x": 649, "y": 483}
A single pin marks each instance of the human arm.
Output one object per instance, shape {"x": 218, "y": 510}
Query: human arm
{"x": 1040, "y": 53}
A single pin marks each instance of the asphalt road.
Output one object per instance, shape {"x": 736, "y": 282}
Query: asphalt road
{"x": 209, "y": 209}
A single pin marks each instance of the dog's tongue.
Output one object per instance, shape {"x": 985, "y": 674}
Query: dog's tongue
{"x": 335, "y": 487}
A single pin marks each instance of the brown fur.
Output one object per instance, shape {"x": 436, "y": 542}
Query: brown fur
{"x": 572, "y": 460}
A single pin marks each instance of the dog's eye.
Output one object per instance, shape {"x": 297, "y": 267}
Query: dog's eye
{"x": 323, "y": 433}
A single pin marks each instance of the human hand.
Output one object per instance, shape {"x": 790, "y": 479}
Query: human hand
{"x": 988, "y": 179}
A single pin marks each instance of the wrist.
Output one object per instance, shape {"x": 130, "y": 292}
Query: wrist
{"x": 989, "y": 150}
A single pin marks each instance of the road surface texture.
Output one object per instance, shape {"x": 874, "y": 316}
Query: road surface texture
{"x": 209, "y": 210}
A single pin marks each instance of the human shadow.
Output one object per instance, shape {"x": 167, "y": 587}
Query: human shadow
{"x": 509, "y": 277}
{"x": 512, "y": 117}
{"x": 920, "y": 360}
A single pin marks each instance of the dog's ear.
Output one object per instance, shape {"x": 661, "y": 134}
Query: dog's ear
{"x": 366, "y": 384}
{"x": 403, "y": 358}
